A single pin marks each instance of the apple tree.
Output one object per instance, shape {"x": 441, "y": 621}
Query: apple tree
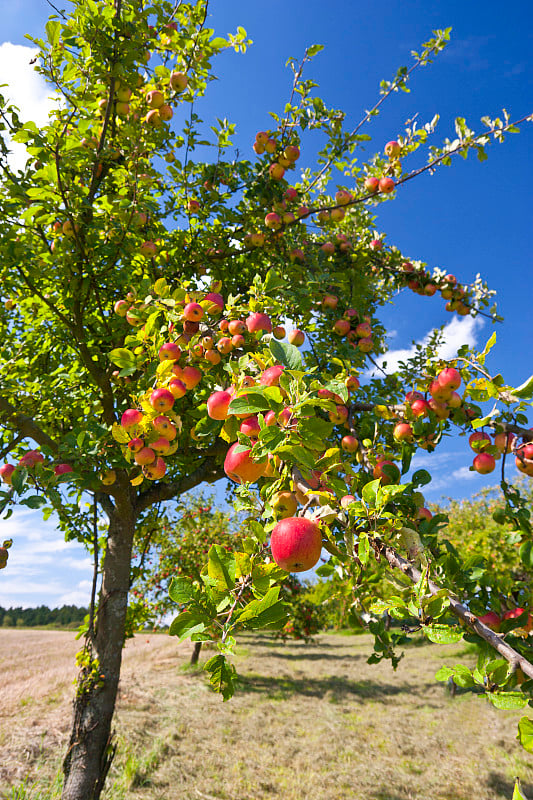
{"x": 171, "y": 318}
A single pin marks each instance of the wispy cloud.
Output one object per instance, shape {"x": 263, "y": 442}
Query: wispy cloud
{"x": 26, "y": 89}
{"x": 459, "y": 331}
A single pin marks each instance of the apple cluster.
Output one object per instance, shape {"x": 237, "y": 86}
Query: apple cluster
{"x": 285, "y": 157}
{"x": 29, "y": 461}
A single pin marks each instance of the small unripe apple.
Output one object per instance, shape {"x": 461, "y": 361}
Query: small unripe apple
{"x": 178, "y": 81}
{"x": 296, "y": 337}
{"x": 284, "y": 504}
{"x": 108, "y": 477}
{"x": 392, "y": 149}
{"x": 371, "y": 184}
{"x": 155, "y": 99}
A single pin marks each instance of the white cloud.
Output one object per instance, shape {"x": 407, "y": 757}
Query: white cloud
{"x": 463, "y": 474}
{"x": 26, "y": 89}
{"x": 459, "y": 331}
{"x": 81, "y": 596}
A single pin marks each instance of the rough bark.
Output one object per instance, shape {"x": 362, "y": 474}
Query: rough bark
{"x": 91, "y": 747}
{"x": 195, "y": 655}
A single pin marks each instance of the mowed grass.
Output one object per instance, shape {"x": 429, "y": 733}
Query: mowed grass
{"x": 310, "y": 722}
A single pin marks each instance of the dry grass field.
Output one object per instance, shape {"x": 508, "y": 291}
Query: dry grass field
{"x": 311, "y": 722}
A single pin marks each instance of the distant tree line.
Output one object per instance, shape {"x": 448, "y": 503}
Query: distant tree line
{"x": 64, "y": 617}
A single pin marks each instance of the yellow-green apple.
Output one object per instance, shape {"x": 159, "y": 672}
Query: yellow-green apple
{"x": 121, "y": 308}
{"x": 455, "y": 400}
{"x": 155, "y": 470}
{"x": 291, "y": 152}
{"x": 484, "y": 463}
{"x": 352, "y": 383}
{"x": 371, "y": 184}
{"x": 261, "y": 137}
{"x": 504, "y": 442}
{"x": 341, "y": 327}
{"x": 155, "y": 99}
{"x": 270, "y": 146}
{"x": 284, "y": 504}
{"x": 296, "y": 544}
{"x": 330, "y": 301}
{"x": 343, "y": 197}
{"x": 144, "y": 456}
{"x": 273, "y": 221}
{"x": 218, "y": 403}
{"x": 285, "y": 416}
{"x": 337, "y": 214}
{"x": 440, "y": 409}
{"x": 338, "y": 415}
{"x": 363, "y": 330}
{"x": 296, "y": 337}
{"x": 392, "y": 149}
{"x": 241, "y": 468}
{"x": 276, "y": 172}
{"x": 424, "y": 513}
{"x": 258, "y": 148}
{"x": 161, "y": 400}
{"x": 178, "y": 81}
{"x": 259, "y": 322}
{"x": 347, "y": 500}
{"x": 154, "y": 118}
{"x": 278, "y": 332}
{"x": 164, "y": 427}
{"x": 386, "y": 185}
{"x": 131, "y": 417}
{"x": 365, "y": 345}
{"x": 108, "y": 477}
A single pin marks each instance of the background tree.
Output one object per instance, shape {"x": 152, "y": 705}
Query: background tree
{"x": 146, "y": 288}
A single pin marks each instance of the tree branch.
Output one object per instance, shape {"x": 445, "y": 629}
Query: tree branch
{"x": 27, "y": 426}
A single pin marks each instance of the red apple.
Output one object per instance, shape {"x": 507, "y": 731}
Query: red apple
{"x": 386, "y": 185}
{"x": 386, "y": 479}
{"x": 284, "y": 504}
{"x": 259, "y": 322}
{"x": 371, "y": 184}
{"x": 155, "y": 470}
{"x": 296, "y": 337}
{"x": 403, "y": 432}
{"x": 144, "y": 456}
{"x": 350, "y": 444}
{"x": 449, "y": 378}
{"x": 193, "y": 312}
{"x": 250, "y": 427}
{"x": 6, "y": 472}
{"x": 161, "y": 400}
{"x": 131, "y": 417}
{"x": 241, "y": 468}
{"x": 484, "y": 463}
{"x": 479, "y": 441}
{"x": 165, "y": 427}
{"x": 271, "y": 375}
{"x": 217, "y": 404}
{"x": 296, "y": 544}
{"x": 169, "y": 352}
{"x": 491, "y": 620}
{"x": 135, "y": 445}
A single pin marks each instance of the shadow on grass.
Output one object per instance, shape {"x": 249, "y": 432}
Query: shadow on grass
{"x": 309, "y": 655}
{"x": 337, "y": 688}
{"x": 499, "y": 783}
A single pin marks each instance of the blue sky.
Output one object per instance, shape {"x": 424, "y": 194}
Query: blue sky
{"x": 469, "y": 218}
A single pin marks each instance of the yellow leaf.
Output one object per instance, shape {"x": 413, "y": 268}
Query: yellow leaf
{"x": 119, "y": 434}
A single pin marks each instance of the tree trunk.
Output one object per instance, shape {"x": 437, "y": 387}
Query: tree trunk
{"x": 90, "y": 749}
{"x": 195, "y": 655}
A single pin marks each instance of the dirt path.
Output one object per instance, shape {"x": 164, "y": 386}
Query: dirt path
{"x": 309, "y": 723}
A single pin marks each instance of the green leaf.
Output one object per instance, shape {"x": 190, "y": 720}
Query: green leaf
{"x": 508, "y": 701}
{"x": 517, "y": 794}
{"x": 181, "y": 590}
{"x": 526, "y": 553}
{"x": 286, "y": 354}
{"x": 363, "y": 548}
{"x": 34, "y": 501}
{"x": 250, "y": 403}
{"x": 221, "y": 566}
{"x": 525, "y": 390}
{"x": 273, "y": 281}
{"x": 525, "y": 733}
{"x": 370, "y": 491}
{"x": 185, "y": 624}
{"x": 222, "y": 675}
{"x": 123, "y": 358}
{"x": 444, "y": 674}
{"x": 19, "y": 479}
{"x": 53, "y": 30}
{"x": 421, "y": 477}
{"x": 443, "y": 634}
